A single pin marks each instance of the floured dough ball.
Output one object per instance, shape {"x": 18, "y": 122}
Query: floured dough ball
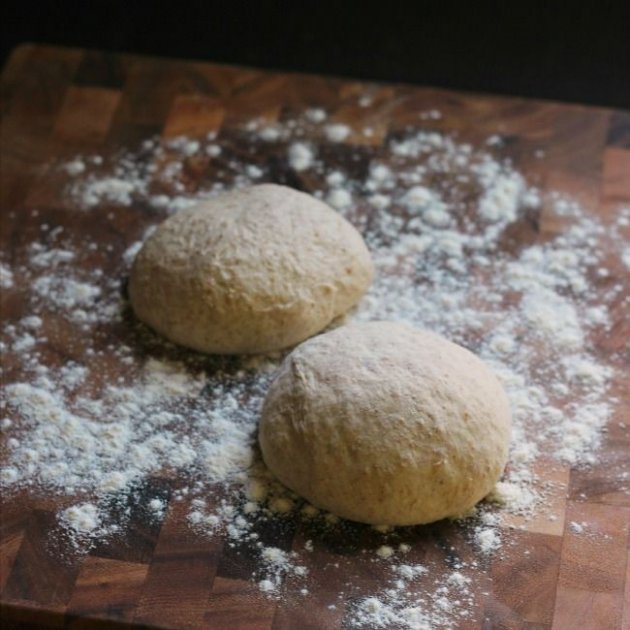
{"x": 385, "y": 424}
{"x": 250, "y": 271}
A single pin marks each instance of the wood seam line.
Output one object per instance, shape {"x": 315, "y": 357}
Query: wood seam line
{"x": 563, "y": 538}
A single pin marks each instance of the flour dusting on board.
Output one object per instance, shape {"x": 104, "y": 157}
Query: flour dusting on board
{"x": 99, "y": 421}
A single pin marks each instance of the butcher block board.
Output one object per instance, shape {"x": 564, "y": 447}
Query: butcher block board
{"x": 58, "y": 102}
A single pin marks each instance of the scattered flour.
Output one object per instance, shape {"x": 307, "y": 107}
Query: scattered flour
{"x": 337, "y": 132}
{"x": 315, "y": 115}
{"x": 577, "y": 528}
{"x": 277, "y": 564}
{"x": 518, "y": 498}
{"x": 339, "y": 198}
{"x": 83, "y": 518}
{"x": 487, "y": 539}
{"x": 6, "y": 277}
{"x": 112, "y": 189}
{"x": 83, "y": 525}
{"x": 403, "y": 604}
{"x": 301, "y": 156}
{"x": 385, "y": 551}
{"x": 75, "y": 167}
{"x": 98, "y": 424}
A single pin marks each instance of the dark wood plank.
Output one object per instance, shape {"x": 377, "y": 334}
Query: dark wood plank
{"x": 107, "y": 590}
{"x": 521, "y": 579}
{"x": 44, "y": 571}
{"x": 592, "y": 567}
{"x": 180, "y": 576}
{"x": 85, "y": 116}
{"x": 32, "y": 97}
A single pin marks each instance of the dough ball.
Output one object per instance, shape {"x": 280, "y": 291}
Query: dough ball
{"x": 384, "y": 424}
{"x": 250, "y": 271}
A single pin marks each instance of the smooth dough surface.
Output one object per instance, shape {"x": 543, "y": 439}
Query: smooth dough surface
{"x": 250, "y": 271}
{"x": 385, "y": 424}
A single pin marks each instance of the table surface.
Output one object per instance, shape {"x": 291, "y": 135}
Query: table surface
{"x": 59, "y": 102}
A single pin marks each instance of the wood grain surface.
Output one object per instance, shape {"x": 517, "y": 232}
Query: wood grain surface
{"x": 57, "y": 102}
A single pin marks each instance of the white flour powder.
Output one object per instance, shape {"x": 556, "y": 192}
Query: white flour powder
{"x": 6, "y": 277}
{"x": 93, "y": 423}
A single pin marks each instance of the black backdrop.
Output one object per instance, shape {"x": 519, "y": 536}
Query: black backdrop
{"x": 578, "y": 53}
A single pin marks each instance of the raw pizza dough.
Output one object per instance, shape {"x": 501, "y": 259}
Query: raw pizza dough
{"x": 250, "y": 271}
{"x": 385, "y": 424}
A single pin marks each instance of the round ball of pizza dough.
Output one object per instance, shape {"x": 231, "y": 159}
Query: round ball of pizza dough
{"x": 385, "y": 424}
{"x": 250, "y": 271}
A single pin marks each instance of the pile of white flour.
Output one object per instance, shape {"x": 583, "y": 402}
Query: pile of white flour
{"x": 92, "y": 420}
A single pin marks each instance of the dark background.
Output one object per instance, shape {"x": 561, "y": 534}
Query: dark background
{"x": 580, "y": 52}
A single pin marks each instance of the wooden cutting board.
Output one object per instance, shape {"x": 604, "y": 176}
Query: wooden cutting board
{"x": 57, "y": 102}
